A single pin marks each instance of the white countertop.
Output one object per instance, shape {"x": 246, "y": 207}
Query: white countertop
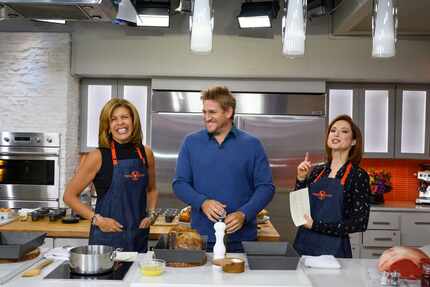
{"x": 407, "y": 206}
{"x": 354, "y": 273}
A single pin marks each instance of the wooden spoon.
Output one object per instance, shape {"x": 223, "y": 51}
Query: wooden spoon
{"x": 36, "y": 270}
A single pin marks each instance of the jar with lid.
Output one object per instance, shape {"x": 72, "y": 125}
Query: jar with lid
{"x": 425, "y": 279}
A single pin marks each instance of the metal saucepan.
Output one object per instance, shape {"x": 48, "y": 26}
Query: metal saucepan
{"x": 92, "y": 259}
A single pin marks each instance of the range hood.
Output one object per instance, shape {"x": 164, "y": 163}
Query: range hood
{"x": 71, "y": 10}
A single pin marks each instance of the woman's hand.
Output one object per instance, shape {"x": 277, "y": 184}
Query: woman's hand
{"x": 303, "y": 168}
{"x": 145, "y": 223}
{"x": 309, "y": 222}
{"x": 107, "y": 224}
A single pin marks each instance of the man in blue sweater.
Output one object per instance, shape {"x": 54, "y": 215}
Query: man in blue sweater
{"x": 223, "y": 171}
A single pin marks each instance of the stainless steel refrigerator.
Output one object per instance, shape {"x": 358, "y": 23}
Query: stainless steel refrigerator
{"x": 289, "y": 125}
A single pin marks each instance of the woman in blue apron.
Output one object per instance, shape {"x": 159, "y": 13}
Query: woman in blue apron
{"x": 338, "y": 194}
{"x": 123, "y": 173}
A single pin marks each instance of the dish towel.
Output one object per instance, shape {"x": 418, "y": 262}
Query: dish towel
{"x": 322, "y": 262}
{"x": 58, "y": 253}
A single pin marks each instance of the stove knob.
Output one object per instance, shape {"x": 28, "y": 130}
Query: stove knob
{"x": 6, "y": 139}
{"x": 38, "y": 139}
{"x": 49, "y": 139}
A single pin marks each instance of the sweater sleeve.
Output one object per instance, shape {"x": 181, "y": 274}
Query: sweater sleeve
{"x": 359, "y": 209}
{"x": 264, "y": 189}
{"x": 183, "y": 180}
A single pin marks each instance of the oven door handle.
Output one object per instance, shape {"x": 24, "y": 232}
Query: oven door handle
{"x": 15, "y": 153}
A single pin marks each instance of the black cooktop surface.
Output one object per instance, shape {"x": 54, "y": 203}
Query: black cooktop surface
{"x": 63, "y": 272}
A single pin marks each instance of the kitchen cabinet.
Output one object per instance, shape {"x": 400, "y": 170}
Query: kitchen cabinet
{"x": 393, "y": 119}
{"x": 392, "y": 226}
{"x": 412, "y": 122}
{"x": 95, "y": 93}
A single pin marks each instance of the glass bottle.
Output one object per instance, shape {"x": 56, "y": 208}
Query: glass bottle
{"x": 425, "y": 279}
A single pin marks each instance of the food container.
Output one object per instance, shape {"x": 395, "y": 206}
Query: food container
{"x": 163, "y": 251}
{"x": 6, "y": 213}
{"x": 92, "y": 259}
{"x": 270, "y": 255}
{"x": 152, "y": 267}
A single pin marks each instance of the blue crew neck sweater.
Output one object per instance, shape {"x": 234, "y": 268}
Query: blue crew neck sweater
{"x": 235, "y": 173}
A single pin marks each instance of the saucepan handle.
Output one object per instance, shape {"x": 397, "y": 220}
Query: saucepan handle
{"x": 113, "y": 255}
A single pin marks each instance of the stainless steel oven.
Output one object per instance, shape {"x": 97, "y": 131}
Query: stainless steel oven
{"x": 29, "y": 169}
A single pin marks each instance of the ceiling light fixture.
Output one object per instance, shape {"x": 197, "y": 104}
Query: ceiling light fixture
{"x": 294, "y": 28}
{"x": 126, "y": 14}
{"x": 201, "y": 26}
{"x": 258, "y": 14}
{"x": 153, "y": 13}
{"x": 384, "y": 29}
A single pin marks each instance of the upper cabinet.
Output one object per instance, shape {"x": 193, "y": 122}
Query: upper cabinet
{"x": 392, "y": 118}
{"x": 95, "y": 93}
{"x": 412, "y": 122}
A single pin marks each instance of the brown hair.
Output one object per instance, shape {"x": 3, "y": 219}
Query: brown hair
{"x": 221, "y": 95}
{"x": 105, "y": 136}
{"x": 356, "y": 151}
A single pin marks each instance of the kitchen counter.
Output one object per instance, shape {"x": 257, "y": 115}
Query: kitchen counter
{"x": 266, "y": 231}
{"x": 400, "y": 206}
{"x": 354, "y": 273}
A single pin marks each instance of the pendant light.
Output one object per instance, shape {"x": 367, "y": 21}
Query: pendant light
{"x": 201, "y": 26}
{"x": 384, "y": 26}
{"x": 294, "y": 28}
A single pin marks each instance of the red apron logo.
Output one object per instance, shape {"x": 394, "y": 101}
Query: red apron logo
{"x": 134, "y": 175}
{"x": 322, "y": 195}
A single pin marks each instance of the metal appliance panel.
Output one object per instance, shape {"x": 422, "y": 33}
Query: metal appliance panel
{"x": 168, "y": 133}
{"x": 246, "y": 103}
{"x": 29, "y": 169}
{"x": 286, "y": 139}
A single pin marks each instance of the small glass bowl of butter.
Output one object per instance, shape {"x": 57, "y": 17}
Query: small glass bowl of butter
{"x": 152, "y": 267}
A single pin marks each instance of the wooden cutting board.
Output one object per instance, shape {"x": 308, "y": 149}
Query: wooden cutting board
{"x": 30, "y": 255}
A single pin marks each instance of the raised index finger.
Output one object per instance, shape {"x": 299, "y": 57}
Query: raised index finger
{"x": 307, "y": 156}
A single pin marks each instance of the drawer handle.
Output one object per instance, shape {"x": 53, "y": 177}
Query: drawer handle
{"x": 376, "y": 254}
{"x": 422, "y": 223}
{"x": 381, "y": 223}
{"x": 383, "y": 239}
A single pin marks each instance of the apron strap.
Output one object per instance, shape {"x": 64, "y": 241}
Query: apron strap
{"x": 344, "y": 177}
{"x": 139, "y": 152}
{"x": 114, "y": 157}
{"x": 113, "y": 152}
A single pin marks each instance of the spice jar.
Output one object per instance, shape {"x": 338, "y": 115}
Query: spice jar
{"x": 425, "y": 279}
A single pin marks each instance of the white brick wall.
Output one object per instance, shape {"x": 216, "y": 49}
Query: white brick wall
{"x": 38, "y": 94}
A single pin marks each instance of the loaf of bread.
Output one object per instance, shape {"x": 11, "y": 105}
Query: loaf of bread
{"x": 185, "y": 238}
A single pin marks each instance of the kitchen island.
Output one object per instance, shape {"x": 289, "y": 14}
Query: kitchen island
{"x": 57, "y": 229}
{"x": 354, "y": 273}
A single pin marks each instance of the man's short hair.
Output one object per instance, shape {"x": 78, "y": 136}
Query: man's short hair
{"x": 221, "y": 95}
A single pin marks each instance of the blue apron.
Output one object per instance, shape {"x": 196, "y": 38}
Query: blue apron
{"x": 326, "y": 202}
{"x": 124, "y": 201}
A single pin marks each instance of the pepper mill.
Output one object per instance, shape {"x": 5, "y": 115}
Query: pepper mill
{"x": 219, "y": 248}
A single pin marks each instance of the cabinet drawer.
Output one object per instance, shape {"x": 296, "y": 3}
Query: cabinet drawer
{"x": 384, "y": 220}
{"x": 381, "y": 238}
{"x": 415, "y": 229}
{"x": 355, "y": 238}
{"x": 371, "y": 253}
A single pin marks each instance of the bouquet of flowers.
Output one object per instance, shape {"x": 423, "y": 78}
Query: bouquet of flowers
{"x": 380, "y": 183}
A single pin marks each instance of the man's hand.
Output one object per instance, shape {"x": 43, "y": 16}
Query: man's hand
{"x": 145, "y": 223}
{"x": 234, "y": 221}
{"x": 309, "y": 222}
{"x": 213, "y": 209}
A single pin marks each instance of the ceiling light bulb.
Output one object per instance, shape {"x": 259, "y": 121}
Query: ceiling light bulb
{"x": 202, "y": 26}
{"x": 383, "y": 44}
{"x": 294, "y": 33}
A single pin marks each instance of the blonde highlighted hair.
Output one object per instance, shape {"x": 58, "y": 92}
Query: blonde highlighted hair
{"x": 105, "y": 136}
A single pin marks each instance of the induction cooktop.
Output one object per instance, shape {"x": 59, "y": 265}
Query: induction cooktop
{"x": 63, "y": 272}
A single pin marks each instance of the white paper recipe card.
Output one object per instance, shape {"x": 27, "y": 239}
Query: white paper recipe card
{"x": 299, "y": 205}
